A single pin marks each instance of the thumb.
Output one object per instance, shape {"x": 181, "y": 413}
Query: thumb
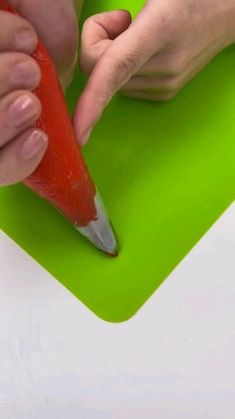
{"x": 121, "y": 58}
{"x": 55, "y": 23}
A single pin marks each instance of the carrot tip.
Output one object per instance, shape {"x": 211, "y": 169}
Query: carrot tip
{"x": 99, "y": 231}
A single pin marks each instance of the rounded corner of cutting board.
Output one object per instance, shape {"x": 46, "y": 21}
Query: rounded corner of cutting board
{"x": 166, "y": 174}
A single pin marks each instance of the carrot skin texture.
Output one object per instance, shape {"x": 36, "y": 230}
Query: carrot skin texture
{"x": 62, "y": 177}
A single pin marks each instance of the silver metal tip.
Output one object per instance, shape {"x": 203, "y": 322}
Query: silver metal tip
{"x": 99, "y": 231}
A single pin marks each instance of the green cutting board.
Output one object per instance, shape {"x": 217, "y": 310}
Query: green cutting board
{"x": 166, "y": 173}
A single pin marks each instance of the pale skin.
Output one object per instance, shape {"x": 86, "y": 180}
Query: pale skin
{"x": 152, "y": 57}
{"x": 21, "y": 146}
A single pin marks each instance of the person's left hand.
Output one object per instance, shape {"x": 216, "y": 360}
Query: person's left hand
{"x": 151, "y": 57}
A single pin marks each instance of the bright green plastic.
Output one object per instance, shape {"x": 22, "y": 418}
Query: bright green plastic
{"x": 166, "y": 173}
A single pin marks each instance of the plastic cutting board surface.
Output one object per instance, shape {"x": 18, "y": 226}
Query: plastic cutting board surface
{"x": 166, "y": 173}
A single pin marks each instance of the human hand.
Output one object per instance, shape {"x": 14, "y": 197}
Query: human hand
{"x": 56, "y": 24}
{"x": 22, "y": 146}
{"x": 152, "y": 57}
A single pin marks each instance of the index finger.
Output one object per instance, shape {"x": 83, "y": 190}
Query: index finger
{"x": 126, "y": 55}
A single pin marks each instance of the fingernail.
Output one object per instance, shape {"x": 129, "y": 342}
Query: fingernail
{"x": 25, "y": 74}
{"x": 26, "y": 40}
{"x": 22, "y": 110}
{"x": 35, "y": 144}
{"x": 85, "y": 137}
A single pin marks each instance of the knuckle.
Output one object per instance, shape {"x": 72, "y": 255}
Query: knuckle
{"x": 166, "y": 97}
{"x": 180, "y": 63}
{"x": 175, "y": 64}
{"x": 113, "y": 84}
{"x": 124, "y": 69}
{"x": 173, "y": 84}
{"x": 103, "y": 98}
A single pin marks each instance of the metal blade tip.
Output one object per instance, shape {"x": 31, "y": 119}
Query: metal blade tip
{"x": 99, "y": 232}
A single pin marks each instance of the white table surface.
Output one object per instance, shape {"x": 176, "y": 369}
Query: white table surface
{"x": 173, "y": 360}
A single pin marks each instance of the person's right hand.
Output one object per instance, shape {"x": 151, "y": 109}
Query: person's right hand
{"x": 21, "y": 145}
